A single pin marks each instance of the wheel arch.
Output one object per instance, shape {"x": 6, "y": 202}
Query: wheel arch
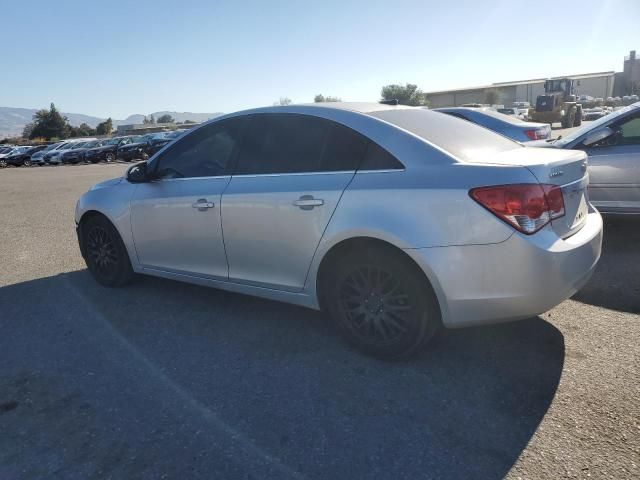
{"x": 344, "y": 247}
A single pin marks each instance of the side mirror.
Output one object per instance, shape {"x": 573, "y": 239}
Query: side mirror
{"x": 138, "y": 173}
{"x": 597, "y": 136}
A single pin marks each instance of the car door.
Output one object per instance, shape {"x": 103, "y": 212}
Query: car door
{"x": 291, "y": 172}
{"x": 175, "y": 219}
{"x": 614, "y": 168}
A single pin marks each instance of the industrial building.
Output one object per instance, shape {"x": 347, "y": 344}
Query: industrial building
{"x": 598, "y": 85}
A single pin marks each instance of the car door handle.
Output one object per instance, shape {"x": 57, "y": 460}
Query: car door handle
{"x": 307, "y": 202}
{"x": 202, "y": 204}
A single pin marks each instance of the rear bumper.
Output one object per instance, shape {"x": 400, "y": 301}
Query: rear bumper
{"x": 519, "y": 278}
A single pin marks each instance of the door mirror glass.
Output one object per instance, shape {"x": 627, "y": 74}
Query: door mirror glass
{"x": 138, "y": 173}
{"x": 597, "y": 136}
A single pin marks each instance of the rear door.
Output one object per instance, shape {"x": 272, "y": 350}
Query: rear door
{"x": 614, "y": 168}
{"x": 290, "y": 175}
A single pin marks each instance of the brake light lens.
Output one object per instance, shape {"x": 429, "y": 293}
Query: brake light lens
{"x": 527, "y": 207}
{"x": 538, "y": 133}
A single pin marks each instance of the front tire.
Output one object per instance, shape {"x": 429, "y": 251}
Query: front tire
{"x": 104, "y": 253}
{"x": 26, "y": 162}
{"x": 382, "y": 303}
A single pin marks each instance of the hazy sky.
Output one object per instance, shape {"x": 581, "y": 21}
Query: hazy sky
{"x": 122, "y": 57}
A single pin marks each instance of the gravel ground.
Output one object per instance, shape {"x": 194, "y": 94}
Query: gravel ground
{"x": 168, "y": 380}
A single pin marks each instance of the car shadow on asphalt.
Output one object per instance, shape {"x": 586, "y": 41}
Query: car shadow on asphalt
{"x": 616, "y": 282}
{"x": 280, "y": 376}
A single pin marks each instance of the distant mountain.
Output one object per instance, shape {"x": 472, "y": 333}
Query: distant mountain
{"x": 13, "y": 120}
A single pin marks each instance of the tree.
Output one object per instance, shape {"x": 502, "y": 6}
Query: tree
{"x": 321, "y": 98}
{"x": 408, "y": 94}
{"x": 83, "y": 130}
{"x": 49, "y": 124}
{"x": 283, "y": 101}
{"x": 105, "y": 128}
{"x": 26, "y": 131}
{"x": 166, "y": 118}
{"x": 491, "y": 96}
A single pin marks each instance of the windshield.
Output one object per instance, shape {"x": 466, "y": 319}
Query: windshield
{"x": 593, "y": 125}
{"x": 112, "y": 141}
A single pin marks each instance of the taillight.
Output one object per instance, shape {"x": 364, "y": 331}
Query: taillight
{"x": 527, "y": 207}
{"x": 538, "y": 134}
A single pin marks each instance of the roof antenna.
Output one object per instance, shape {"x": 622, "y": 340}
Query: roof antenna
{"x": 393, "y": 101}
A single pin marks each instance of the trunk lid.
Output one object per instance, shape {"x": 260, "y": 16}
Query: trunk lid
{"x": 565, "y": 168}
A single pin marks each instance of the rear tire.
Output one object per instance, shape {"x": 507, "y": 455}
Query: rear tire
{"x": 26, "y": 162}
{"x": 382, "y": 303}
{"x": 110, "y": 157}
{"x": 104, "y": 253}
{"x": 3, "y": 163}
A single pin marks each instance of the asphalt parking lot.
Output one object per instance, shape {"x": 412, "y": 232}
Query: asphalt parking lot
{"x": 168, "y": 380}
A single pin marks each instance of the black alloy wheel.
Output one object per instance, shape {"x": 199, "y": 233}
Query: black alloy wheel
{"x": 105, "y": 253}
{"x": 375, "y": 304}
{"x": 382, "y": 302}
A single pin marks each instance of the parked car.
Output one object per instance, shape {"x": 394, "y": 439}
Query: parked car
{"x": 613, "y": 146}
{"x": 393, "y": 219}
{"x": 55, "y": 156}
{"x": 22, "y": 157}
{"x": 38, "y": 157}
{"x": 138, "y": 148}
{"x": 107, "y": 150}
{"x": 513, "y": 128}
{"x": 8, "y": 153}
{"x": 76, "y": 153}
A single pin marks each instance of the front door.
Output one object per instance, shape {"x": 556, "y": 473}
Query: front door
{"x": 175, "y": 219}
{"x": 614, "y": 169}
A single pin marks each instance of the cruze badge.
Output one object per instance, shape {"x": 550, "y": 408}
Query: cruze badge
{"x": 555, "y": 173}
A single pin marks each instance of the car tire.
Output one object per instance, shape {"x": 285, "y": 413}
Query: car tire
{"x": 382, "y": 303}
{"x": 26, "y": 162}
{"x": 3, "y": 163}
{"x": 110, "y": 157}
{"x": 104, "y": 253}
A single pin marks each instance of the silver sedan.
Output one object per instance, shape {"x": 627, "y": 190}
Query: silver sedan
{"x": 613, "y": 146}
{"x": 395, "y": 220}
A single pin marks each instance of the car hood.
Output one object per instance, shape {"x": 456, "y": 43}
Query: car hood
{"x": 107, "y": 183}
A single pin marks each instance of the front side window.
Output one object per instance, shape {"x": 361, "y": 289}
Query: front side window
{"x": 630, "y": 132}
{"x": 206, "y": 152}
{"x": 292, "y": 143}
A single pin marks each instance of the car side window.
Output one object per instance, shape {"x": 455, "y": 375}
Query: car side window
{"x": 626, "y": 132}
{"x": 292, "y": 143}
{"x": 629, "y": 132}
{"x": 206, "y": 152}
{"x": 377, "y": 158}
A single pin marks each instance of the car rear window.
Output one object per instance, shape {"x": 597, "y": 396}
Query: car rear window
{"x": 464, "y": 140}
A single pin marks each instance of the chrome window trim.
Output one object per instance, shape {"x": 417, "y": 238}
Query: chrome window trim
{"x": 296, "y": 174}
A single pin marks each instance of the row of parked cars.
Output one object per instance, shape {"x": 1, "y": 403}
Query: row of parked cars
{"x": 93, "y": 150}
